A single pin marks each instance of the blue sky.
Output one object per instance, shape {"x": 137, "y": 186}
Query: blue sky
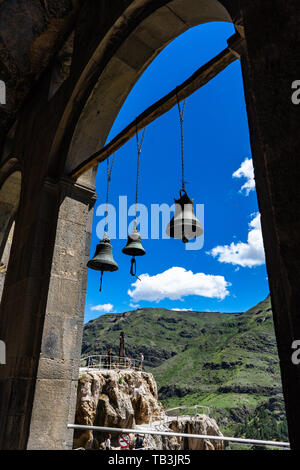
{"x": 228, "y": 274}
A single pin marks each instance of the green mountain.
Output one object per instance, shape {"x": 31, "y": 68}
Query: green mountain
{"x": 228, "y": 362}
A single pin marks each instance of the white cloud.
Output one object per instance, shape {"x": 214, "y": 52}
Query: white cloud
{"x": 181, "y": 309}
{"x": 242, "y": 254}
{"x": 132, "y": 305}
{"x": 246, "y": 171}
{"x": 176, "y": 283}
{"x": 102, "y": 308}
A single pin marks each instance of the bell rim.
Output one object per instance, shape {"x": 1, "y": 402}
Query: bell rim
{"x": 133, "y": 252}
{"x": 195, "y": 233}
{"x": 101, "y": 267}
{"x": 134, "y": 246}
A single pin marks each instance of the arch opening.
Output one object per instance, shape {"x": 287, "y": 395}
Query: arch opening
{"x": 125, "y": 67}
{"x": 116, "y": 245}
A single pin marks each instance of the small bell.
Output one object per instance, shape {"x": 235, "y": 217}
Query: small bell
{"x": 103, "y": 258}
{"x": 134, "y": 245}
{"x": 134, "y": 248}
{"x": 184, "y": 225}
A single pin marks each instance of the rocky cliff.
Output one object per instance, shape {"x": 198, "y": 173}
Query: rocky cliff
{"x": 228, "y": 362}
{"x": 202, "y": 424}
{"x": 128, "y": 399}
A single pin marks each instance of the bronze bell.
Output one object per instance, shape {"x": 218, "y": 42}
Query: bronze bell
{"x": 184, "y": 225}
{"x": 134, "y": 245}
{"x": 134, "y": 248}
{"x": 103, "y": 258}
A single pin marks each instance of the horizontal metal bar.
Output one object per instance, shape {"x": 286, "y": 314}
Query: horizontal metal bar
{"x": 180, "y": 434}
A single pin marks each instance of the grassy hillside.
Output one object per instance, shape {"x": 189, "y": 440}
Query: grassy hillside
{"x": 226, "y": 361}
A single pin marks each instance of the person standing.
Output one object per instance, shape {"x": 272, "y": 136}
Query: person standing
{"x": 139, "y": 443}
{"x": 89, "y": 361}
{"x": 128, "y": 362}
{"x": 141, "y": 360}
{"x": 108, "y": 442}
{"x": 108, "y": 359}
{"x": 122, "y": 353}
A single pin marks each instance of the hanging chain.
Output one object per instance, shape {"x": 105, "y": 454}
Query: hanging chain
{"x": 109, "y": 172}
{"x": 181, "y": 116}
{"x": 139, "y": 150}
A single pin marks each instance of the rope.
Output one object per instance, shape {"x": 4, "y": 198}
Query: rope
{"x": 139, "y": 150}
{"x": 109, "y": 172}
{"x": 181, "y": 116}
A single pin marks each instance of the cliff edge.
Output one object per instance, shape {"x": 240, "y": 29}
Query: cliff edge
{"x": 128, "y": 399}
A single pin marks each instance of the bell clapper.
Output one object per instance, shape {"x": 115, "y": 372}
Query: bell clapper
{"x": 101, "y": 281}
{"x": 133, "y": 268}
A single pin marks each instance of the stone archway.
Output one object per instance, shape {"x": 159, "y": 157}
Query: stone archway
{"x": 270, "y": 113}
{"x": 263, "y": 65}
{"x": 128, "y": 63}
{"x": 45, "y": 288}
{"x": 44, "y": 351}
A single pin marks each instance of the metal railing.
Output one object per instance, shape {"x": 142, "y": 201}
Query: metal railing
{"x": 110, "y": 362}
{"x": 175, "y": 413}
{"x": 192, "y": 410}
{"x": 181, "y": 434}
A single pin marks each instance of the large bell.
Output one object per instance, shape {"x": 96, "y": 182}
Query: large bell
{"x": 134, "y": 245}
{"x": 103, "y": 258}
{"x": 184, "y": 225}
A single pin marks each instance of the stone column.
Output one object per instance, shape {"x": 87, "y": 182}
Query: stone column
{"x": 41, "y": 317}
{"x": 270, "y": 65}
